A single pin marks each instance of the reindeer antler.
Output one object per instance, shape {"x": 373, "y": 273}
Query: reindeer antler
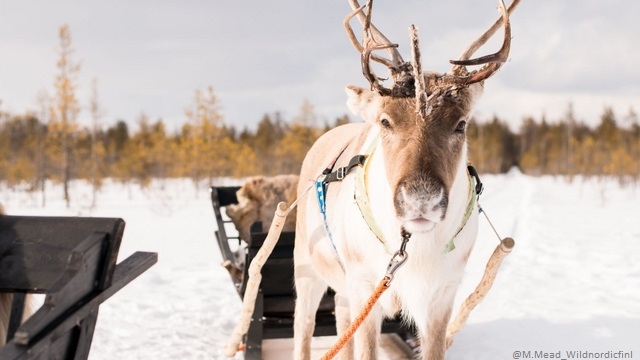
{"x": 396, "y": 59}
{"x": 494, "y": 61}
{"x": 373, "y": 40}
{"x": 422, "y": 105}
{"x": 406, "y": 76}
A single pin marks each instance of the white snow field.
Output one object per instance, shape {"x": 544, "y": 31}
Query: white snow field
{"x": 572, "y": 282}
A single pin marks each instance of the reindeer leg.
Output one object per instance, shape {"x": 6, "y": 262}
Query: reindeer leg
{"x": 367, "y": 335}
{"x": 343, "y": 320}
{"x": 433, "y": 343}
{"x": 433, "y": 336}
{"x": 309, "y": 289}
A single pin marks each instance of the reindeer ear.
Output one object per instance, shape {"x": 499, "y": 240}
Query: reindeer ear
{"x": 362, "y": 102}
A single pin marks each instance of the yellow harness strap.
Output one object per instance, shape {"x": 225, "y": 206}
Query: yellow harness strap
{"x": 362, "y": 197}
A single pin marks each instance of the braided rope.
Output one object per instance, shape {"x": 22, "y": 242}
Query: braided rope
{"x": 348, "y": 334}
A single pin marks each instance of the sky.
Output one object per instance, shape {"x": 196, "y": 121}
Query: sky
{"x": 263, "y": 57}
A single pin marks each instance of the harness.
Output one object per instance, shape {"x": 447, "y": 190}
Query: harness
{"x": 322, "y": 185}
{"x": 361, "y": 164}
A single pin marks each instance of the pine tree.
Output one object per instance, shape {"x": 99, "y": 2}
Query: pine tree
{"x": 268, "y": 135}
{"x": 116, "y": 143}
{"x": 295, "y": 144}
{"x": 19, "y": 148}
{"x": 607, "y": 134}
{"x": 634, "y": 143}
{"x": 570, "y": 141}
{"x": 136, "y": 162}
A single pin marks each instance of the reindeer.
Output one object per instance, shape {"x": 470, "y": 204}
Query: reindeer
{"x": 413, "y": 182}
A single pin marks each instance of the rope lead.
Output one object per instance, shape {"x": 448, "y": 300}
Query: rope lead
{"x": 395, "y": 263}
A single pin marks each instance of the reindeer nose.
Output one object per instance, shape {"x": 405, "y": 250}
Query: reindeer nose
{"x": 421, "y": 206}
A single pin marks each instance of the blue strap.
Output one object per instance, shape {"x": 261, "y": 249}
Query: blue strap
{"x": 321, "y": 193}
{"x": 321, "y": 190}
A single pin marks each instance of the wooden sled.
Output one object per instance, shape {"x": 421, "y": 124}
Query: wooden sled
{"x": 73, "y": 261}
{"x": 274, "y": 308}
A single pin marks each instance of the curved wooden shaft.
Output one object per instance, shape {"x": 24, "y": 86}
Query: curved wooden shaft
{"x": 253, "y": 283}
{"x": 501, "y": 251}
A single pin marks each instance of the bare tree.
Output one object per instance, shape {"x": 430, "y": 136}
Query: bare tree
{"x": 97, "y": 151}
{"x": 43, "y": 101}
{"x": 65, "y": 108}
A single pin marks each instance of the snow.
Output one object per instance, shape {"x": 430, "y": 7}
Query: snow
{"x": 572, "y": 282}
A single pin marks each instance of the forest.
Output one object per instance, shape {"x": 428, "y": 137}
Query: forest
{"x": 32, "y": 151}
{"x": 50, "y": 145}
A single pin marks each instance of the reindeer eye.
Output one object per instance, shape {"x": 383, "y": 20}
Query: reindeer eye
{"x": 461, "y": 126}
{"x": 385, "y": 122}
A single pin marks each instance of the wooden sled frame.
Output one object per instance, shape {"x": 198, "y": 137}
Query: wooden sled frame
{"x": 73, "y": 261}
{"x": 274, "y": 308}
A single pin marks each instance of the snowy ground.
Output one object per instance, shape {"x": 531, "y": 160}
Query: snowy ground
{"x": 571, "y": 283}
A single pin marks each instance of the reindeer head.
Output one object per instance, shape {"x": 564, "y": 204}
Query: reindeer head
{"x": 422, "y": 117}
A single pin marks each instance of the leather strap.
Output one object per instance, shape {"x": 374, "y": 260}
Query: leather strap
{"x": 341, "y": 172}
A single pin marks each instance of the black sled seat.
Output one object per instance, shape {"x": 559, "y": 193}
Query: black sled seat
{"x": 274, "y": 310}
{"x": 73, "y": 261}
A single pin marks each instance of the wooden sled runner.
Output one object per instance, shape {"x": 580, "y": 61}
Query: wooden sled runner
{"x": 272, "y": 317}
{"x": 73, "y": 261}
